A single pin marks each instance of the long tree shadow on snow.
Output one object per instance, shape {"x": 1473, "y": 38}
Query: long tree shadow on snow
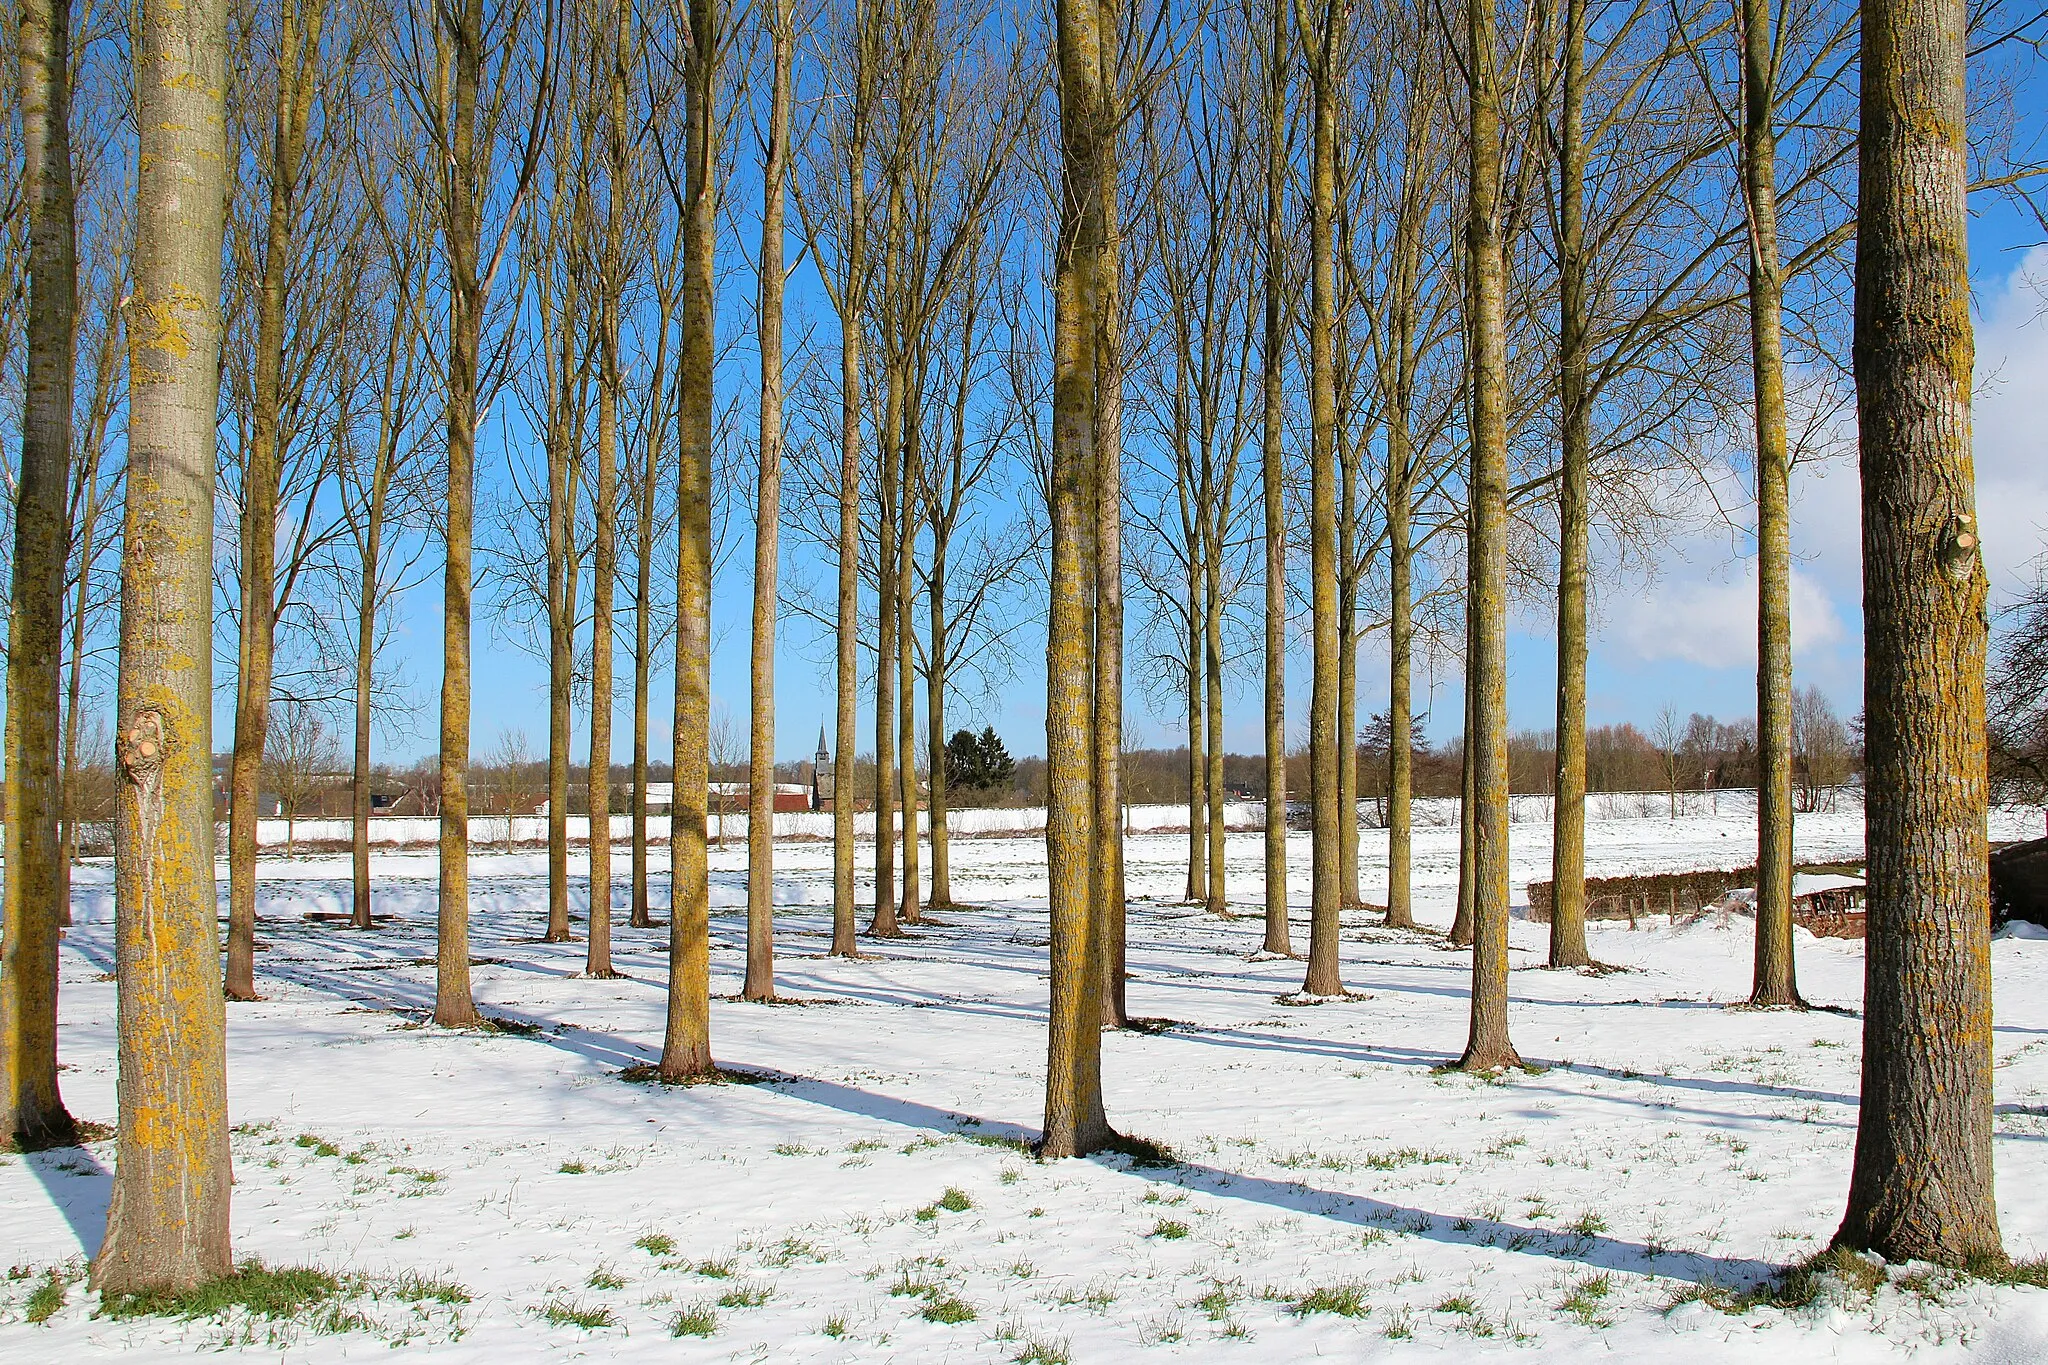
{"x": 79, "y": 1187}
{"x": 1598, "y": 1251}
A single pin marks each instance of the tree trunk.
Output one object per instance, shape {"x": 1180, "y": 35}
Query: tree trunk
{"x": 1568, "y": 805}
{"x": 32, "y": 1112}
{"x": 1776, "y": 982}
{"x": 643, "y": 634}
{"x": 686, "y": 1045}
{"x": 1273, "y": 474}
{"x": 1400, "y": 624}
{"x": 760, "y": 979}
{"x": 1347, "y": 715}
{"x": 459, "y": 40}
{"x": 884, "y": 924}
{"x": 935, "y": 728}
{"x": 366, "y": 652}
{"x": 1198, "y": 763}
{"x": 167, "y": 1219}
{"x": 1921, "y": 1188}
{"x": 296, "y": 53}
{"x": 1106, "y": 760}
{"x": 852, "y": 301}
{"x": 1212, "y": 678}
{"x": 1075, "y": 1123}
{"x": 1488, "y": 1048}
{"x": 906, "y": 645}
{"x": 565, "y": 459}
{"x": 1323, "y": 977}
{"x": 597, "y": 960}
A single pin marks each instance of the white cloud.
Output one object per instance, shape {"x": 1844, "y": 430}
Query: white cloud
{"x": 2011, "y": 430}
{"x": 1709, "y": 619}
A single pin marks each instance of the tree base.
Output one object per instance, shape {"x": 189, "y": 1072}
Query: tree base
{"x": 1490, "y": 1060}
{"x": 43, "y": 1132}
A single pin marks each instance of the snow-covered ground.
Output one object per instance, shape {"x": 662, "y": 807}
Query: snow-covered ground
{"x": 876, "y": 1188}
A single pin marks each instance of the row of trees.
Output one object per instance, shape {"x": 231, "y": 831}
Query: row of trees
{"x": 1495, "y": 280}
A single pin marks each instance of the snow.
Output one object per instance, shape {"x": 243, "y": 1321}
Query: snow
{"x": 1667, "y": 1141}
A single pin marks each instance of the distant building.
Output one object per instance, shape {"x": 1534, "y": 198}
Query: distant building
{"x": 824, "y": 778}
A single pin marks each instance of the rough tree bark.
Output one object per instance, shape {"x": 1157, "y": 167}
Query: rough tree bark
{"x": 298, "y": 47}
{"x": 167, "y": 1220}
{"x": 686, "y": 1044}
{"x": 1921, "y": 1188}
{"x": 1075, "y": 1123}
{"x": 32, "y": 1112}
{"x": 1487, "y": 1049}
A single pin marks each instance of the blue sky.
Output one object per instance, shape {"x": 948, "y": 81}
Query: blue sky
{"x": 1682, "y": 636}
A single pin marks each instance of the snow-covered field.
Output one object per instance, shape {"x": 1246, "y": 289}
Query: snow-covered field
{"x": 876, "y": 1188}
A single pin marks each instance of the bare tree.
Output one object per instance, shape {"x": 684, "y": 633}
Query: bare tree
{"x": 299, "y": 751}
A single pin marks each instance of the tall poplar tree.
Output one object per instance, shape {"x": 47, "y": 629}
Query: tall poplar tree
{"x": 686, "y": 1045}
{"x": 167, "y": 1220}
{"x": 760, "y": 980}
{"x": 1921, "y": 1188}
{"x": 1322, "y": 23}
{"x": 1486, "y": 731}
{"x": 32, "y": 1114}
{"x": 1075, "y": 1122}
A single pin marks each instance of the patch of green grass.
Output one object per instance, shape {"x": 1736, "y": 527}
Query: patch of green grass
{"x": 656, "y": 1243}
{"x": 318, "y": 1146}
{"x": 1345, "y": 1300}
{"x": 745, "y": 1296}
{"x": 698, "y": 1320}
{"x": 1400, "y": 1325}
{"x": 835, "y": 1326}
{"x": 1167, "y": 1230}
{"x": 866, "y": 1145}
{"x": 915, "y": 1286}
{"x": 1458, "y": 1303}
{"x": 260, "y": 1290}
{"x": 47, "y": 1299}
{"x": 1014, "y": 1144}
{"x": 955, "y": 1200}
{"x": 1043, "y": 1351}
{"x": 1405, "y": 1156}
{"x": 1143, "y": 1153}
{"x": 945, "y": 1308}
{"x": 571, "y": 1168}
{"x": 1583, "y": 1302}
{"x": 1587, "y": 1224}
{"x": 604, "y": 1277}
{"x": 568, "y": 1313}
{"x": 2031, "y": 1273}
{"x": 1216, "y": 1304}
{"x": 413, "y": 1287}
{"x": 791, "y": 1149}
{"x": 715, "y": 1270}
{"x": 789, "y": 1251}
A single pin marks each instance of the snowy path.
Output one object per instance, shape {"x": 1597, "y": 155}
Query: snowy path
{"x": 1669, "y": 1142}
